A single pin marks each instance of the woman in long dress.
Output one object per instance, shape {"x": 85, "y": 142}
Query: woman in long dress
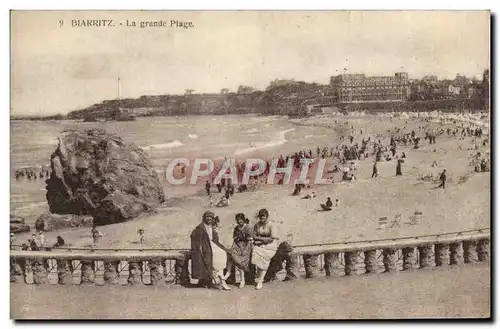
{"x": 219, "y": 258}
{"x": 241, "y": 251}
{"x": 265, "y": 245}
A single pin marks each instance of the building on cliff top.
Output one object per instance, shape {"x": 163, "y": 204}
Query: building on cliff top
{"x": 358, "y": 88}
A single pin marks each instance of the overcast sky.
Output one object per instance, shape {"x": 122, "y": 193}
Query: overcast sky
{"x": 58, "y": 69}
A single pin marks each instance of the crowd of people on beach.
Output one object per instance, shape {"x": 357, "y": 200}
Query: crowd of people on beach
{"x": 38, "y": 242}
{"x": 31, "y": 173}
{"x": 347, "y": 152}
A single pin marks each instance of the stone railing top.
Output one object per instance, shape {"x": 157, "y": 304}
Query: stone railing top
{"x": 105, "y": 255}
{"x": 313, "y": 249}
{"x": 396, "y": 243}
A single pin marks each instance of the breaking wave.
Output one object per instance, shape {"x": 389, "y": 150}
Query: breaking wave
{"x": 253, "y": 130}
{"x": 257, "y": 146}
{"x": 170, "y": 145}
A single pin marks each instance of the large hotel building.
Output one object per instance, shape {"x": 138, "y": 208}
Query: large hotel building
{"x": 358, "y": 88}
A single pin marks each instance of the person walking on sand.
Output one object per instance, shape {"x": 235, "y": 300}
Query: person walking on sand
{"x": 41, "y": 239}
{"x": 398, "y": 168}
{"x": 140, "y": 232}
{"x": 207, "y": 187}
{"x": 375, "y": 170}
{"x": 96, "y": 236}
{"x": 442, "y": 179}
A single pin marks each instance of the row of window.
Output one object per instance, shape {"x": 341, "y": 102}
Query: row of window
{"x": 373, "y": 93}
{"x": 374, "y": 88}
{"x": 366, "y": 98}
{"x": 357, "y": 84}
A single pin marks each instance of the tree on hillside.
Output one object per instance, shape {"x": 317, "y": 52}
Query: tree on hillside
{"x": 245, "y": 89}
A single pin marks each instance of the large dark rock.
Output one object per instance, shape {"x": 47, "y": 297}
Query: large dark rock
{"x": 98, "y": 174}
{"x": 19, "y": 228}
{"x": 18, "y": 225}
{"x": 51, "y": 222}
{"x": 16, "y": 220}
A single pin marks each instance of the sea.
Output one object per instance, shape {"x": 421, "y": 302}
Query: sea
{"x": 163, "y": 139}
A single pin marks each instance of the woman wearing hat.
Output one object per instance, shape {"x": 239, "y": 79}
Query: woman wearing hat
{"x": 241, "y": 251}
{"x": 265, "y": 245}
{"x": 208, "y": 258}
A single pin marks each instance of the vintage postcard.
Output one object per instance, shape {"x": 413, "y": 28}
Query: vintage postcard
{"x": 250, "y": 165}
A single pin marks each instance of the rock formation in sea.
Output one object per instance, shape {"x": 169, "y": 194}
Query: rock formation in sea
{"x": 98, "y": 174}
{"x": 18, "y": 225}
{"x": 51, "y": 222}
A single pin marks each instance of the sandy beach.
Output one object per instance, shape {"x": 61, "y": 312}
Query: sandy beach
{"x": 362, "y": 202}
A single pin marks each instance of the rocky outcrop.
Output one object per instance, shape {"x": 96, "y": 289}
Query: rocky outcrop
{"x": 51, "y": 222}
{"x": 98, "y": 174}
{"x": 18, "y": 225}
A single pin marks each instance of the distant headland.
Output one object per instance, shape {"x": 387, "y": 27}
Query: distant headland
{"x": 346, "y": 92}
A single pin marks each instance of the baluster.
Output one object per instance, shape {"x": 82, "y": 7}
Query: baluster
{"x": 425, "y": 256}
{"x": 456, "y": 253}
{"x": 390, "y": 260}
{"x": 134, "y": 272}
{"x": 111, "y": 273}
{"x": 470, "y": 251}
{"x": 409, "y": 258}
{"x": 331, "y": 263}
{"x": 88, "y": 271}
{"x": 40, "y": 271}
{"x": 182, "y": 271}
{"x": 442, "y": 254}
{"x": 371, "y": 261}
{"x": 483, "y": 249}
{"x": 311, "y": 265}
{"x": 292, "y": 267}
{"x": 351, "y": 259}
{"x": 155, "y": 268}
{"x": 64, "y": 271}
{"x": 16, "y": 270}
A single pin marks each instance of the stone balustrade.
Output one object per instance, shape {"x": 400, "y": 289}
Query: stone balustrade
{"x": 152, "y": 267}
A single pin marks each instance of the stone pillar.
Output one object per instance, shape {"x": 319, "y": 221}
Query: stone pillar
{"x": 64, "y": 271}
{"x": 292, "y": 268}
{"x": 134, "y": 272}
{"x": 88, "y": 272}
{"x": 40, "y": 273}
{"x": 456, "y": 253}
{"x": 331, "y": 263}
{"x": 425, "y": 256}
{"x": 409, "y": 258}
{"x": 17, "y": 270}
{"x": 351, "y": 259}
{"x": 157, "y": 275}
{"x": 483, "y": 249}
{"x": 311, "y": 265}
{"x": 442, "y": 254}
{"x": 371, "y": 261}
{"x": 390, "y": 260}
{"x": 111, "y": 273}
{"x": 470, "y": 251}
{"x": 182, "y": 271}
